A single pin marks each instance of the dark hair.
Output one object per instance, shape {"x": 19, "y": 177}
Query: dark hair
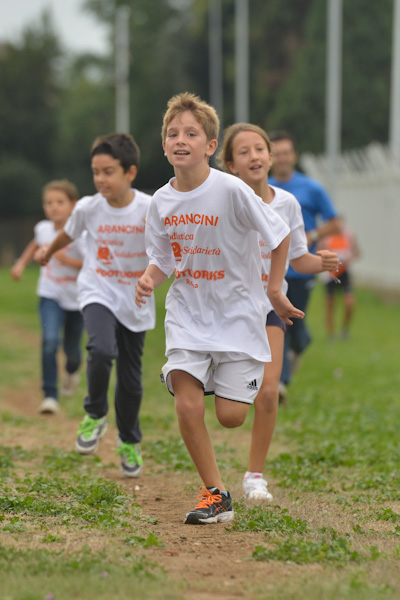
{"x": 121, "y": 146}
{"x": 276, "y": 136}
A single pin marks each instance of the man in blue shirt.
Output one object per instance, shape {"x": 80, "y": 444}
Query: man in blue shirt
{"x": 320, "y": 219}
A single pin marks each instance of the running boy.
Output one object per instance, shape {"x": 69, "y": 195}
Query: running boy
{"x": 203, "y": 226}
{"x": 57, "y": 291}
{"x": 116, "y": 257}
{"x": 246, "y": 152}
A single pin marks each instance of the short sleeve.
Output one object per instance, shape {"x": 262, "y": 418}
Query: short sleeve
{"x": 158, "y": 246}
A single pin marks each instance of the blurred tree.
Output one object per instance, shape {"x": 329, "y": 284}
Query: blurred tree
{"x": 164, "y": 61}
{"x": 52, "y": 107}
{"x": 86, "y": 111}
{"x": 299, "y": 101}
{"x": 29, "y": 96}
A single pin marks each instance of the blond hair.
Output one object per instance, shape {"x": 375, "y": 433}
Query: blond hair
{"x": 204, "y": 113}
{"x": 63, "y": 185}
{"x": 225, "y": 155}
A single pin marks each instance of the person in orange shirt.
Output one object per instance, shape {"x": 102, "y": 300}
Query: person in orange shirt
{"x": 345, "y": 245}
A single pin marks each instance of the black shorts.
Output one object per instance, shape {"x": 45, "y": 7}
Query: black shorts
{"x": 344, "y": 286}
{"x": 274, "y": 321}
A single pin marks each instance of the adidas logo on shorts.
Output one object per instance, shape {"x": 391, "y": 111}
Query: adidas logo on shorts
{"x": 252, "y": 385}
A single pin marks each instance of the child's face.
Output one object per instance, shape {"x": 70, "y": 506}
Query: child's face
{"x": 57, "y": 206}
{"x": 186, "y": 145}
{"x": 251, "y": 157}
{"x": 110, "y": 178}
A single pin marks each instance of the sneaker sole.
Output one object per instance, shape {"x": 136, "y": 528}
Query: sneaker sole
{"x": 258, "y": 496}
{"x": 83, "y": 450}
{"x": 221, "y": 518}
{"x": 131, "y": 475}
{"x": 47, "y": 410}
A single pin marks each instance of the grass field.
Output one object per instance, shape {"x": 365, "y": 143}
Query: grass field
{"x": 71, "y": 528}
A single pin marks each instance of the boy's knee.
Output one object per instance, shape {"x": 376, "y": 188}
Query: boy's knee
{"x": 231, "y": 421}
{"x": 188, "y": 410}
{"x": 231, "y": 414}
{"x": 100, "y": 355}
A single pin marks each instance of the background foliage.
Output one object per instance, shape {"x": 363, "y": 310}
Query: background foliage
{"x": 52, "y": 105}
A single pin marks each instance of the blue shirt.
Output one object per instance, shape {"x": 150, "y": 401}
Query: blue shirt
{"x": 314, "y": 201}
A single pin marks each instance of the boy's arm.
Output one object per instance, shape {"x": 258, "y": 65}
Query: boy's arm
{"x": 25, "y": 258}
{"x": 311, "y": 263}
{"x": 151, "y": 278}
{"x": 282, "y": 305}
{"x": 58, "y": 243}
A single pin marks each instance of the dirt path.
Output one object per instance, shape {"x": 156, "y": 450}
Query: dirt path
{"x": 210, "y": 559}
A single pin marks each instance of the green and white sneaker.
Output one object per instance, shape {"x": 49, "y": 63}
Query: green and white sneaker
{"x": 90, "y": 432}
{"x": 131, "y": 459}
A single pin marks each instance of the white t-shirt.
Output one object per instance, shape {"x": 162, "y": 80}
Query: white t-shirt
{"x": 115, "y": 257}
{"x": 208, "y": 236}
{"x": 287, "y": 207}
{"x": 57, "y": 281}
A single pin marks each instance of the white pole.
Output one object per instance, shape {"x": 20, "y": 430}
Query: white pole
{"x": 394, "y": 123}
{"x": 333, "y": 88}
{"x": 242, "y": 60}
{"x": 122, "y": 123}
{"x": 215, "y": 56}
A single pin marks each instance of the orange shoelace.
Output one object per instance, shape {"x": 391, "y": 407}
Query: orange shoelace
{"x": 206, "y": 498}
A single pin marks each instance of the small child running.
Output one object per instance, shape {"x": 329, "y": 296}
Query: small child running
{"x": 114, "y": 220}
{"x": 203, "y": 226}
{"x": 57, "y": 291}
{"x": 246, "y": 153}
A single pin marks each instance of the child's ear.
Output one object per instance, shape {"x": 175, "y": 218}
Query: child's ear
{"x": 212, "y": 146}
{"x": 163, "y": 145}
{"x": 133, "y": 171}
{"x": 231, "y": 168}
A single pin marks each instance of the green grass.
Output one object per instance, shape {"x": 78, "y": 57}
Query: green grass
{"x": 334, "y": 464}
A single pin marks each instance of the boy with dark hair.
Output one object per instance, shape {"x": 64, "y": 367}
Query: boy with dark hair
{"x": 114, "y": 219}
{"x": 203, "y": 226}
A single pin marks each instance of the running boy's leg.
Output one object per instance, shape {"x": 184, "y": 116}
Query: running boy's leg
{"x": 190, "y": 409}
{"x": 129, "y": 387}
{"x": 52, "y": 319}
{"x": 100, "y": 325}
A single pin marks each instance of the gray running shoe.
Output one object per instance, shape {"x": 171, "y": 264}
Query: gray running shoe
{"x": 131, "y": 459}
{"x": 90, "y": 432}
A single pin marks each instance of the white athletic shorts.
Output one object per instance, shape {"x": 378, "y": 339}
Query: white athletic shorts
{"x": 230, "y": 375}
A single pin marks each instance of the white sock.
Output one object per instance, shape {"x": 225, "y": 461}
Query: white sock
{"x": 252, "y": 475}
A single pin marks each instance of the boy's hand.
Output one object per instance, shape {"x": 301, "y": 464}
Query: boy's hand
{"x": 144, "y": 287}
{"x": 330, "y": 260}
{"x": 40, "y": 254}
{"x": 284, "y": 308}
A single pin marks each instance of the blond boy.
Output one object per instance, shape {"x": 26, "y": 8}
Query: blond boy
{"x": 203, "y": 226}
